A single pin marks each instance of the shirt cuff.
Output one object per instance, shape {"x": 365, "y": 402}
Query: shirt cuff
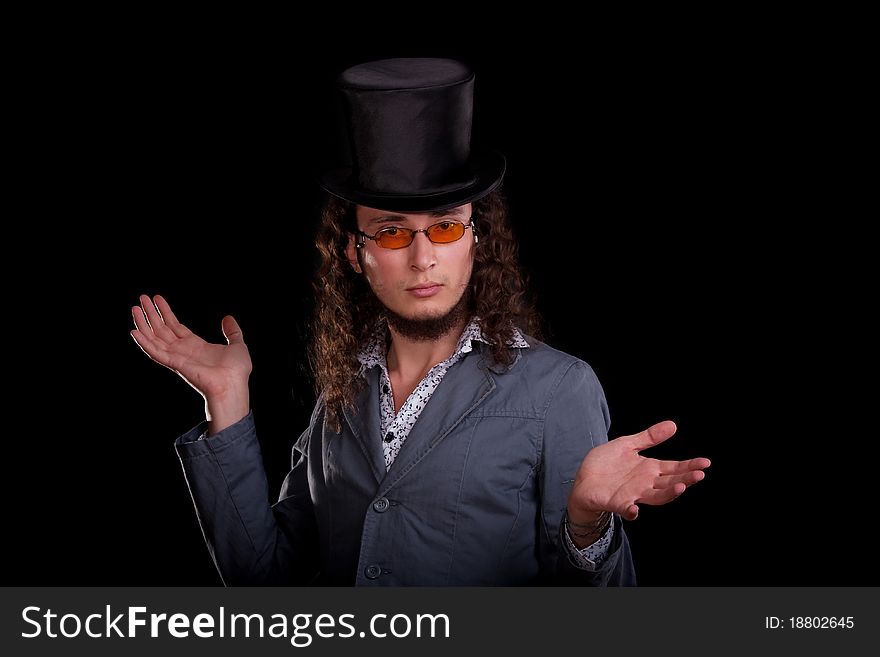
{"x": 591, "y": 557}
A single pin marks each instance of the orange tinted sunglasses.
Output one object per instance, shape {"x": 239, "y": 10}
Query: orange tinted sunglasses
{"x": 397, "y": 237}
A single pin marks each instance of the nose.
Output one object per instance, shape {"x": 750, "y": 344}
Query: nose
{"x": 421, "y": 252}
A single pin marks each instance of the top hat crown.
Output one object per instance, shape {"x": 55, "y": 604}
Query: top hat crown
{"x": 409, "y": 125}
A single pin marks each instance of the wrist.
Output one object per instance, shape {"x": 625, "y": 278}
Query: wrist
{"x": 582, "y": 516}
{"x": 585, "y": 533}
{"x": 225, "y": 409}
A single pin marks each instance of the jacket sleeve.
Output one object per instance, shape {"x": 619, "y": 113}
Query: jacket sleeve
{"x": 251, "y": 541}
{"x": 576, "y": 420}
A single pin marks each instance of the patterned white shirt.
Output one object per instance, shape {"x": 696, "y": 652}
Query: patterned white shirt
{"x": 397, "y": 426}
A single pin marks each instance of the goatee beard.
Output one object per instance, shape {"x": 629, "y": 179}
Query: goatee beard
{"x": 431, "y": 328}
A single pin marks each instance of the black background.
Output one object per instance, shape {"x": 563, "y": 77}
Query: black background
{"x": 645, "y": 179}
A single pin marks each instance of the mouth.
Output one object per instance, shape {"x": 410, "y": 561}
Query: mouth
{"x": 425, "y": 290}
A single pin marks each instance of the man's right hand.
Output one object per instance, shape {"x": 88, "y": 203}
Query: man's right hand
{"x": 219, "y": 373}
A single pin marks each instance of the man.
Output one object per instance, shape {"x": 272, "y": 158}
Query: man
{"x": 448, "y": 446}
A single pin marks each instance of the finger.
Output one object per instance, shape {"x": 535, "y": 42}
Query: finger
{"x": 170, "y": 319}
{"x": 630, "y": 513}
{"x": 155, "y": 319}
{"x": 662, "y": 496}
{"x": 688, "y": 479}
{"x": 140, "y": 322}
{"x": 653, "y": 435}
{"x": 150, "y": 347}
{"x": 231, "y": 330}
{"x": 680, "y": 467}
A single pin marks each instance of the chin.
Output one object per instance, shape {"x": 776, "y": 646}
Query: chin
{"x": 413, "y": 307}
{"x": 427, "y": 319}
{"x": 432, "y": 308}
{"x": 417, "y": 314}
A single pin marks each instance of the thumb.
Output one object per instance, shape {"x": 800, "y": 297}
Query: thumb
{"x": 653, "y": 435}
{"x": 231, "y": 330}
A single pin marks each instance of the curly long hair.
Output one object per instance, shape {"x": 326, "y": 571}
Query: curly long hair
{"x": 346, "y": 309}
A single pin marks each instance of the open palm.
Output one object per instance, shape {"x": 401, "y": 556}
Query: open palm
{"x": 209, "y": 368}
{"x": 615, "y": 477}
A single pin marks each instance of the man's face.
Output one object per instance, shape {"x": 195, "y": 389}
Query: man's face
{"x": 399, "y": 276}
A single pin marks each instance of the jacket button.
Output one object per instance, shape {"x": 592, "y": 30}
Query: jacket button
{"x": 381, "y": 505}
{"x": 372, "y": 571}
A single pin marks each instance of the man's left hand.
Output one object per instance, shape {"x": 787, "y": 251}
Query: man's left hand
{"x": 615, "y": 477}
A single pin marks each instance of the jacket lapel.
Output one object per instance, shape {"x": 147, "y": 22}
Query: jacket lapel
{"x": 463, "y": 388}
{"x": 366, "y": 425}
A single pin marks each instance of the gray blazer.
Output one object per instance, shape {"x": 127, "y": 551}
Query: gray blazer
{"x": 474, "y": 498}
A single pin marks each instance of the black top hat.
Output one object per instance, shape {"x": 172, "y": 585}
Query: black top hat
{"x": 409, "y": 123}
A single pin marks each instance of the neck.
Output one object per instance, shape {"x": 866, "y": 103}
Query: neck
{"x": 412, "y": 359}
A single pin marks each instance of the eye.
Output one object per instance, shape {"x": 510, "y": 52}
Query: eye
{"x": 445, "y": 225}
{"x": 391, "y": 231}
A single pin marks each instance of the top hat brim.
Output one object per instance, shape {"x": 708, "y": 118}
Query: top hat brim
{"x": 488, "y": 168}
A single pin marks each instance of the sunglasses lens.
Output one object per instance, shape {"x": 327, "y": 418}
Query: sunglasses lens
{"x": 394, "y": 238}
{"x": 446, "y": 231}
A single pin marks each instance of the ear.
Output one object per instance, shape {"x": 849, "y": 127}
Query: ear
{"x": 351, "y": 254}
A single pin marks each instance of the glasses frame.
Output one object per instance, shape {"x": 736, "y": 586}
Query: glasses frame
{"x": 470, "y": 225}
